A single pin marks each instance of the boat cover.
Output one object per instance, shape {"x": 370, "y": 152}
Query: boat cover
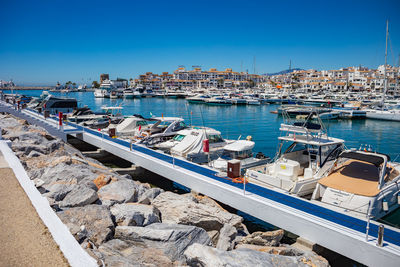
{"x": 354, "y": 177}
{"x": 192, "y": 143}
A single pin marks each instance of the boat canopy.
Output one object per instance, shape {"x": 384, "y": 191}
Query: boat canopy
{"x": 240, "y": 145}
{"x": 312, "y": 140}
{"x": 168, "y": 119}
{"x": 373, "y": 158}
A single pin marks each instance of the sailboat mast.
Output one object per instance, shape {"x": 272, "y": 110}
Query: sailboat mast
{"x": 384, "y": 69}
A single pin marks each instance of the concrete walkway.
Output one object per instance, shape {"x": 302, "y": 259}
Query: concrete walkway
{"x": 24, "y": 239}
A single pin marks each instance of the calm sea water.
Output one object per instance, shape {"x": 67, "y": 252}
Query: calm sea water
{"x": 257, "y": 121}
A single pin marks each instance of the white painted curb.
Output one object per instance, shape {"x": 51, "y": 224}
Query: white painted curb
{"x": 71, "y": 249}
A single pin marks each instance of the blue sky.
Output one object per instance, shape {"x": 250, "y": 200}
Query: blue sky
{"x": 42, "y": 42}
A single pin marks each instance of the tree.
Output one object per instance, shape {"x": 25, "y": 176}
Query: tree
{"x": 95, "y": 84}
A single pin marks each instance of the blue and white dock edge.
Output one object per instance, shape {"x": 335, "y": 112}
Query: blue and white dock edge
{"x": 336, "y": 231}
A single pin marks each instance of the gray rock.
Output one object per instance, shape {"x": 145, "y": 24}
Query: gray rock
{"x": 121, "y": 191}
{"x": 150, "y": 194}
{"x": 79, "y": 196}
{"x": 34, "y": 154}
{"x": 226, "y": 237}
{"x": 186, "y": 211}
{"x": 271, "y": 238}
{"x": 9, "y": 122}
{"x": 68, "y": 173}
{"x": 26, "y": 149}
{"x": 96, "y": 219}
{"x": 173, "y": 239}
{"x": 133, "y": 214}
{"x": 58, "y": 191}
{"x": 120, "y": 253}
{"x": 200, "y": 255}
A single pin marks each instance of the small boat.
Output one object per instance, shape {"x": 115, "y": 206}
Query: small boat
{"x": 163, "y": 129}
{"x": 188, "y": 144}
{"x": 252, "y": 101}
{"x": 240, "y": 150}
{"x": 58, "y": 104}
{"x": 128, "y": 94}
{"x": 330, "y": 115}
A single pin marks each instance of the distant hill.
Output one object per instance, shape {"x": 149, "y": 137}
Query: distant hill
{"x": 282, "y": 72}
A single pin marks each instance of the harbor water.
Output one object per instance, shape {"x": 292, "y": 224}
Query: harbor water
{"x": 257, "y": 121}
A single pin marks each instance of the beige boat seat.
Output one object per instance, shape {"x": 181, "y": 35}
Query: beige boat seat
{"x": 354, "y": 177}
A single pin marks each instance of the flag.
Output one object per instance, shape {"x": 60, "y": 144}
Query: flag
{"x": 140, "y": 128}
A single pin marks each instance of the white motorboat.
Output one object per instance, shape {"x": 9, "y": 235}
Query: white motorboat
{"x": 199, "y": 98}
{"x": 361, "y": 183}
{"x": 188, "y": 144}
{"x": 240, "y": 150}
{"x": 128, "y": 94}
{"x": 330, "y": 115}
{"x": 164, "y": 129}
{"x": 309, "y": 154}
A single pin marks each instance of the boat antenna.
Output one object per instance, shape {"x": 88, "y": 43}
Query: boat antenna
{"x": 189, "y": 114}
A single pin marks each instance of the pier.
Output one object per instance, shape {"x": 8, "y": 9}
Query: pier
{"x": 341, "y": 233}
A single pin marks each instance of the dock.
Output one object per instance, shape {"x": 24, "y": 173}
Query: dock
{"x": 336, "y": 231}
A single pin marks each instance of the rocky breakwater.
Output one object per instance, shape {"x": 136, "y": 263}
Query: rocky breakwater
{"x": 122, "y": 222}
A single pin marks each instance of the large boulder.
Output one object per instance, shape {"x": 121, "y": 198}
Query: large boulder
{"x": 67, "y": 173}
{"x": 79, "y": 196}
{"x": 200, "y": 255}
{"x": 226, "y": 237}
{"x": 133, "y": 214}
{"x": 96, "y": 219}
{"x": 150, "y": 194}
{"x": 119, "y": 253}
{"x": 121, "y": 191}
{"x": 181, "y": 209}
{"x": 270, "y": 238}
{"x": 58, "y": 191}
{"x": 173, "y": 239}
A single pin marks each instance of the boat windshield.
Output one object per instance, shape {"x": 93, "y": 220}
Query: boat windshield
{"x": 215, "y": 138}
{"x": 142, "y": 123}
{"x": 179, "y": 137}
{"x": 229, "y": 154}
{"x": 321, "y": 154}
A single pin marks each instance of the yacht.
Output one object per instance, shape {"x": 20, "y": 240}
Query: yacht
{"x": 104, "y": 90}
{"x": 218, "y": 101}
{"x": 362, "y": 183}
{"x": 305, "y": 154}
{"x": 197, "y": 99}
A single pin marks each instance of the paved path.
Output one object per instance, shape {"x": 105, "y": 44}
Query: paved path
{"x": 24, "y": 239}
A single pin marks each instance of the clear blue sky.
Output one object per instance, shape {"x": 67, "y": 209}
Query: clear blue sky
{"x": 43, "y": 42}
